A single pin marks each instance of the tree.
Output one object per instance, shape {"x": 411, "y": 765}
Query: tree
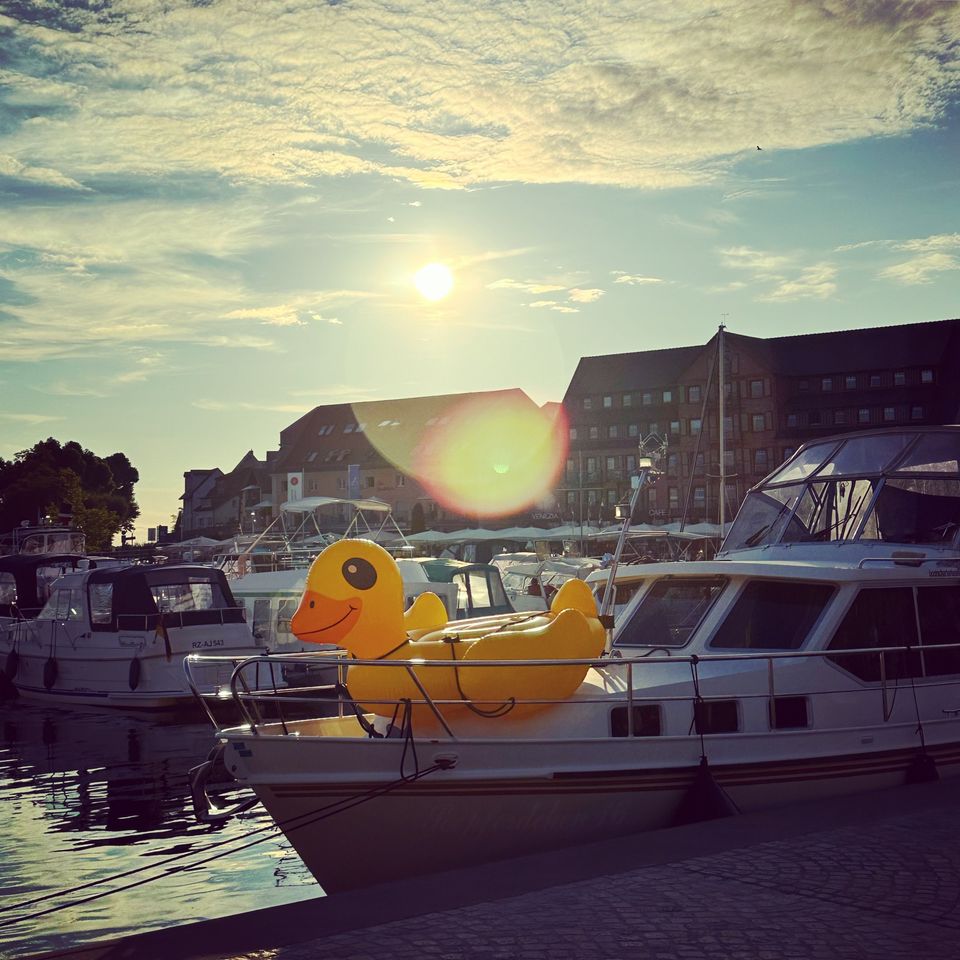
{"x": 51, "y": 480}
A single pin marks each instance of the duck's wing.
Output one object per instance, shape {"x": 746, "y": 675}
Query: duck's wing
{"x": 427, "y": 612}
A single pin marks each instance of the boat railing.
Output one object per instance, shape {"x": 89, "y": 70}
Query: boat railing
{"x": 268, "y": 685}
{"x": 215, "y": 616}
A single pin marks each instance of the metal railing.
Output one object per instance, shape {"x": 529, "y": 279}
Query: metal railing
{"x": 250, "y": 698}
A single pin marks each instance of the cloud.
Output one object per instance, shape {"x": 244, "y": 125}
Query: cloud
{"x": 585, "y": 296}
{"x": 634, "y": 280}
{"x": 527, "y": 286}
{"x": 668, "y": 98}
{"x": 230, "y": 406}
{"x": 931, "y": 255}
{"x": 279, "y": 315}
{"x": 552, "y": 305}
{"x": 14, "y": 169}
{"x": 783, "y": 274}
{"x": 31, "y": 418}
{"x": 814, "y": 283}
{"x": 920, "y": 269}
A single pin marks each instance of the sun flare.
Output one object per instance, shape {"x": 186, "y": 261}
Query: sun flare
{"x": 434, "y": 281}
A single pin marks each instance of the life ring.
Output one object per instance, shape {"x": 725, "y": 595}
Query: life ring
{"x": 50, "y": 671}
{"x": 133, "y": 677}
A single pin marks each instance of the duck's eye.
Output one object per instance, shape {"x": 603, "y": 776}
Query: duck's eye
{"x": 311, "y": 604}
{"x": 359, "y": 573}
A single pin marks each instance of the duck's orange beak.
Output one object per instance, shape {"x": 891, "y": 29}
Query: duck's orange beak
{"x": 321, "y": 619}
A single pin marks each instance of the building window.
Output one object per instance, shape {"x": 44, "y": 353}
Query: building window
{"x": 613, "y": 431}
{"x": 348, "y": 428}
{"x": 889, "y": 414}
{"x": 674, "y": 495}
{"x": 756, "y": 388}
{"x": 700, "y": 497}
{"x": 760, "y": 460}
{"x": 655, "y": 427}
{"x": 369, "y": 482}
{"x": 916, "y": 413}
{"x": 594, "y": 433}
{"x": 926, "y": 376}
{"x": 611, "y": 463}
{"x": 628, "y": 399}
{"x": 695, "y": 426}
{"x": 874, "y": 379}
{"x": 698, "y": 463}
{"x": 633, "y": 430}
{"x": 850, "y": 382}
{"x": 631, "y": 463}
{"x": 899, "y": 378}
{"x": 729, "y": 458}
{"x": 652, "y": 498}
{"x": 791, "y": 420}
{"x": 675, "y": 427}
{"x": 571, "y": 498}
{"x": 401, "y": 480}
{"x": 826, "y": 384}
{"x": 694, "y": 394}
{"x": 607, "y": 402}
{"x": 840, "y": 416}
{"x": 591, "y": 467}
{"x": 759, "y": 422}
{"x": 647, "y": 399}
{"x": 573, "y": 433}
{"x": 587, "y": 403}
{"x": 863, "y": 415}
{"x": 673, "y": 462}
{"x": 788, "y": 452}
{"x": 803, "y": 386}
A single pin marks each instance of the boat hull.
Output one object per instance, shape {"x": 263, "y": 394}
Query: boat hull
{"x": 359, "y": 831}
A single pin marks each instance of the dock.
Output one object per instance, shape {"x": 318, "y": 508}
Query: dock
{"x": 869, "y": 876}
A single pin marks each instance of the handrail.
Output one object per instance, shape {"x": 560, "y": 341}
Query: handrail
{"x": 628, "y": 696}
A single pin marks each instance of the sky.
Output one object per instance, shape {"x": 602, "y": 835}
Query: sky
{"x": 211, "y": 212}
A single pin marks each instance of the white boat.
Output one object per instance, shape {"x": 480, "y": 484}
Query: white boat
{"x": 116, "y": 635}
{"x": 817, "y": 655}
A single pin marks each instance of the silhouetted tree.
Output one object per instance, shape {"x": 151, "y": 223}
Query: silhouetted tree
{"x": 51, "y": 479}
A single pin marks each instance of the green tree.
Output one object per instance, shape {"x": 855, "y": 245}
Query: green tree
{"x": 51, "y": 479}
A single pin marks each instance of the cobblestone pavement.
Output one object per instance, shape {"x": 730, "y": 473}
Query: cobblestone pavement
{"x": 883, "y": 890}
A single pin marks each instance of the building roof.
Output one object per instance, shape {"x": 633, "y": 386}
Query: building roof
{"x": 908, "y": 345}
{"x": 629, "y": 371}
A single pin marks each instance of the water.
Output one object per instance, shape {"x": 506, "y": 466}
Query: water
{"x": 86, "y": 795}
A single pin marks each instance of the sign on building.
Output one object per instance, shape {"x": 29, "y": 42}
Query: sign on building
{"x": 353, "y": 481}
{"x": 295, "y": 486}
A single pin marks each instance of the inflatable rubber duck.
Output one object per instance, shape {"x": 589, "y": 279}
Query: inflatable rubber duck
{"x": 354, "y": 598}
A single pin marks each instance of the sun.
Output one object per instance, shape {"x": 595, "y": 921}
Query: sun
{"x": 434, "y": 281}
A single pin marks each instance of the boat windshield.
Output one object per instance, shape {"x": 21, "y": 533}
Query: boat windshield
{"x": 670, "y": 611}
{"x": 897, "y": 487}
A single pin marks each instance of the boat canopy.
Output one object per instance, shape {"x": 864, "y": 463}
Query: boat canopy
{"x": 309, "y": 504}
{"x": 894, "y": 486}
{"x": 25, "y": 578}
{"x": 146, "y": 598}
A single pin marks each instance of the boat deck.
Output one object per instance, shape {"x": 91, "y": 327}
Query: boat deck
{"x": 850, "y": 877}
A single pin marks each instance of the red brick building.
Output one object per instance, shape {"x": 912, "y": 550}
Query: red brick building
{"x": 780, "y": 391}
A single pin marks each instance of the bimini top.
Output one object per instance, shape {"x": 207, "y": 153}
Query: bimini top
{"x": 25, "y": 579}
{"x": 880, "y": 487}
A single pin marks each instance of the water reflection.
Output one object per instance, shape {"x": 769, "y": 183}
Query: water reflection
{"x": 87, "y": 795}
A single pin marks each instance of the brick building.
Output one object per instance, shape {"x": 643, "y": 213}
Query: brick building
{"x": 780, "y": 392}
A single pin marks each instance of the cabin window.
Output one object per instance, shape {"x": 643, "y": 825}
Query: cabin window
{"x": 670, "y": 612}
{"x": 772, "y": 615}
{"x": 939, "y": 611}
{"x": 261, "y": 620}
{"x": 646, "y": 721}
{"x": 101, "y": 603}
{"x": 716, "y": 716}
{"x": 8, "y": 589}
{"x": 64, "y": 604}
{"x": 880, "y": 617}
{"x": 789, "y": 713}
{"x": 285, "y": 611}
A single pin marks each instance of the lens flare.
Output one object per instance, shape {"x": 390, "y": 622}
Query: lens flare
{"x": 492, "y": 456}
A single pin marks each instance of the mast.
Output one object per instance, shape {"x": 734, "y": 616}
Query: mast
{"x": 720, "y": 410}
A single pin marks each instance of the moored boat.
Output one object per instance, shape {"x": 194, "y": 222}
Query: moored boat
{"x": 116, "y": 635}
{"x": 817, "y": 655}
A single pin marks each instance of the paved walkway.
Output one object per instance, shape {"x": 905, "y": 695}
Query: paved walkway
{"x": 875, "y": 876}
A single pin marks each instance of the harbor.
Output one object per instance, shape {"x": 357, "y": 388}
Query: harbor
{"x": 842, "y": 879}
{"x": 479, "y": 480}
